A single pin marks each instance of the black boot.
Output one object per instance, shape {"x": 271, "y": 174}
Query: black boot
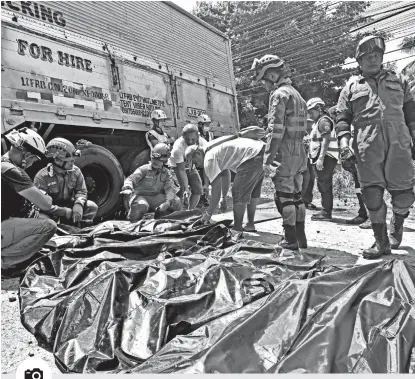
{"x": 321, "y": 216}
{"x": 381, "y": 246}
{"x": 290, "y": 238}
{"x": 396, "y": 230}
{"x": 300, "y": 233}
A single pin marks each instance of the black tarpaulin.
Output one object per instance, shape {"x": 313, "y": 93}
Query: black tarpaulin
{"x": 161, "y": 297}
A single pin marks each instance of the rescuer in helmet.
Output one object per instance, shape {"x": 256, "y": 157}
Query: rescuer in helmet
{"x": 151, "y": 187}
{"x": 323, "y": 153}
{"x": 203, "y": 123}
{"x": 64, "y": 182}
{"x": 287, "y": 123}
{"x": 157, "y": 134}
{"x": 23, "y": 233}
{"x": 379, "y": 105}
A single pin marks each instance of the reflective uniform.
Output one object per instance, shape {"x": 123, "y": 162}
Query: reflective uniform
{"x": 151, "y": 188}
{"x": 382, "y": 112}
{"x": 66, "y": 189}
{"x": 155, "y": 135}
{"x": 287, "y": 118}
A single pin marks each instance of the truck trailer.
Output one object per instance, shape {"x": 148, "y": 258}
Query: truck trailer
{"x": 96, "y": 70}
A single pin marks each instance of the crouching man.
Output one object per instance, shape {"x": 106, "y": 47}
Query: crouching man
{"x": 65, "y": 183}
{"x": 151, "y": 188}
{"x": 245, "y": 157}
{"x": 23, "y": 232}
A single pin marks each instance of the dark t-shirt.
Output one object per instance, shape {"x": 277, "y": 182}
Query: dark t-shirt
{"x": 13, "y": 181}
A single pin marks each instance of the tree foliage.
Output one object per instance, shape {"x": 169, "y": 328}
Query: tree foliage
{"x": 312, "y": 38}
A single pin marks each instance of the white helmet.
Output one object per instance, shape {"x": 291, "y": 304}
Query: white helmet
{"x": 266, "y": 62}
{"x": 312, "y": 103}
{"x": 203, "y": 118}
{"x": 28, "y": 139}
{"x": 370, "y": 44}
{"x": 158, "y": 114}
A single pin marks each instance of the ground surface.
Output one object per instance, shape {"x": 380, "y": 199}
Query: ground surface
{"x": 340, "y": 243}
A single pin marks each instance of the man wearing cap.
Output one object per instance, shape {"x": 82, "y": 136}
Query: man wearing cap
{"x": 379, "y": 105}
{"x": 287, "y": 123}
{"x": 23, "y": 230}
{"x": 151, "y": 187}
{"x": 323, "y": 154}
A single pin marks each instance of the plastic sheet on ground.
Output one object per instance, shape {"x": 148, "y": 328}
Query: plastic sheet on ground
{"x": 161, "y": 297}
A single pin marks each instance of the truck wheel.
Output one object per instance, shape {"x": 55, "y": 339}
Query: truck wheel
{"x": 104, "y": 179}
{"x": 127, "y": 158}
{"x": 140, "y": 160}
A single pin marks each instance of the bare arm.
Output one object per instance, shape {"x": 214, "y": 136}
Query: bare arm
{"x": 38, "y": 198}
{"x": 182, "y": 176}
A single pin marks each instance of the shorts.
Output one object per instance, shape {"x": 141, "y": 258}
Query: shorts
{"x": 248, "y": 180}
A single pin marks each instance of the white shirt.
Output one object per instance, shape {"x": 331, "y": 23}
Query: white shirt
{"x": 229, "y": 155}
{"x": 179, "y": 149}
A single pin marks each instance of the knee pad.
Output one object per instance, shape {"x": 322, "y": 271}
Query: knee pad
{"x": 283, "y": 199}
{"x": 373, "y": 197}
{"x": 298, "y": 200}
{"x": 402, "y": 199}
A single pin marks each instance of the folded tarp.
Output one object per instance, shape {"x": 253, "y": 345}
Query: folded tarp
{"x": 162, "y": 296}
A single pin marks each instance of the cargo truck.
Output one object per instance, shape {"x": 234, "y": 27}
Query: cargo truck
{"x": 96, "y": 70}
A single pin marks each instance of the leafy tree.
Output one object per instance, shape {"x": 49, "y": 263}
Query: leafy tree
{"x": 408, "y": 47}
{"x": 313, "y": 39}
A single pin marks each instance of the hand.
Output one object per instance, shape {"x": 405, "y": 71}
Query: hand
{"x": 68, "y": 214}
{"x": 186, "y": 194}
{"x": 270, "y": 170}
{"x": 253, "y": 132}
{"x": 320, "y": 164}
{"x": 126, "y": 191}
{"x": 346, "y": 154}
{"x": 163, "y": 207}
{"x": 171, "y": 140}
{"x": 77, "y": 213}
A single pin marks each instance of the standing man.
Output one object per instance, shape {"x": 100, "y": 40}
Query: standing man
{"x": 309, "y": 176}
{"x": 187, "y": 175}
{"x": 157, "y": 134}
{"x": 323, "y": 154}
{"x": 65, "y": 184}
{"x": 287, "y": 123}
{"x": 23, "y": 233}
{"x": 379, "y": 105}
{"x": 203, "y": 124}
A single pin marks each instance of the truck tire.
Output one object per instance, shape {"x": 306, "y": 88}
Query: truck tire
{"x": 104, "y": 178}
{"x": 128, "y": 157}
{"x": 141, "y": 159}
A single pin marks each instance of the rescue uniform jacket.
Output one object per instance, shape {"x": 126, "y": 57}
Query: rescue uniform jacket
{"x": 382, "y": 112}
{"x": 146, "y": 181}
{"x": 66, "y": 188}
{"x": 322, "y": 128}
{"x": 155, "y": 135}
{"x": 385, "y": 99}
{"x": 287, "y": 119}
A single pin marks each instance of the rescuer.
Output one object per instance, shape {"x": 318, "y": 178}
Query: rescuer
{"x": 309, "y": 175}
{"x": 157, "y": 134}
{"x": 65, "y": 183}
{"x": 287, "y": 121}
{"x": 187, "y": 175}
{"x": 203, "y": 124}
{"x": 23, "y": 233}
{"x": 379, "y": 105}
{"x": 244, "y": 156}
{"x": 150, "y": 188}
{"x": 323, "y": 154}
